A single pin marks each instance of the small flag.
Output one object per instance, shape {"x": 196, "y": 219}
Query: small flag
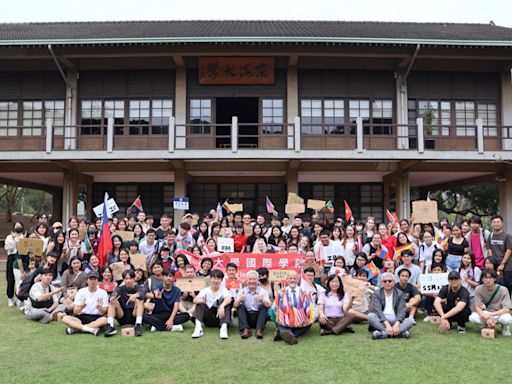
{"x": 182, "y": 245}
{"x": 329, "y": 206}
{"x": 232, "y": 283}
{"x": 372, "y": 269}
{"x": 200, "y": 240}
{"x": 270, "y": 207}
{"x": 207, "y": 250}
{"x": 348, "y": 211}
{"x": 337, "y": 271}
{"x": 319, "y": 259}
{"x": 399, "y": 250}
{"x": 105, "y": 243}
{"x": 381, "y": 253}
{"x": 227, "y": 206}
{"x": 220, "y": 214}
{"x": 137, "y": 203}
{"x": 391, "y": 218}
{"x": 306, "y": 284}
{"x": 87, "y": 244}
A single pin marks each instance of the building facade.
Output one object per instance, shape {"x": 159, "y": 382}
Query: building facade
{"x": 212, "y": 110}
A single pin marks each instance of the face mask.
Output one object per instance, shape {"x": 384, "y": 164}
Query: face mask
{"x": 263, "y": 280}
{"x": 164, "y": 257}
{"x": 359, "y": 229}
{"x": 18, "y": 230}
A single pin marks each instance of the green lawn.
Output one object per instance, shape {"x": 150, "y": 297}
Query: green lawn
{"x": 34, "y": 353}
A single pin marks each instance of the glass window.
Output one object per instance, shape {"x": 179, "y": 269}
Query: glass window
{"x": 382, "y": 117}
{"x": 465, "y": 118}
{"x": 272, "y": 114}
{"x": 54, "y": 109}
{"x": 8, "y": 118}
{"x": 334, "y": 116}
{"x": 91, "y": 117}
{"x": 115, "y": 109}
{"x": 161, "y": 111}
{"x": 322, "y": 116}
{"x": 311, "y": 117}
{"x": 200, "y": 116}
{"x": 32, "y": 118}
{"x": 139, "y": 117}
{"x": 489, "y": 115}
{"x": 436, "y": 116}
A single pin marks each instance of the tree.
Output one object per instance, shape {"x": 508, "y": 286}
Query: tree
{"x": 10, "y": 194}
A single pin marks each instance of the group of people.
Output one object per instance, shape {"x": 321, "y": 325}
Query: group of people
{"x": 68, "y": 284}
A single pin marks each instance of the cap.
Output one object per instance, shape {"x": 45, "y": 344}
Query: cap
{"x": 454, "y": 275}
{"x": 57, "y": 225}
{"x": 93, "y": 274}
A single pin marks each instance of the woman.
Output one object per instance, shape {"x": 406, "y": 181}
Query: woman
{"x": 340, "y": 267}
{"x": 180, "y": 266}
{"x": 139, "y": 277}
{"x": 239, "y": 238}
{"x": 49, "y": 263}
{"x": 138, "y": 232}
{"x": 212, "y": 244}
{"x": 107, "y": 282}
{"x": 368, "y": 230}
{"x": 275, "y": 235}
{"x": 21, "y": 268}
{"x": 402, "y": 243}
{"x": 470, "y": 275}
{"x": 206, "y": 267}
{"x": 201, "y": 234}
{"x": 73, "y": 246}
{"x": 457, "y": 247}
{"x": 387, "y": 240}
{"x": 361, "y": 260}
{"x": 73, "y": 223}
{"x": 491, "y": 263}
{"x": 260, "y": 246}
{"x": 215, "y": 232}
{"x": 73, "y": 279}
{"x": 337, "y": 234}
{"x": 333, "y": 307}
{"x": 42, "y": 234}
{"x": 12, "y": 238}
{"x": 226, "y": 229}
{"x": 438, "y": 258}
{"x": 113, "y": 255}
{"x": 294, "y": 236}
{"x": 350, "y": 245}
{"x": 303, "y": 247}
{"x": 56, "y": 245}
{"x": 124, "y": 258}
{"x": 92, "y": 265}
{"x": 121, "y": 225}
{"x": 257, "y": 233}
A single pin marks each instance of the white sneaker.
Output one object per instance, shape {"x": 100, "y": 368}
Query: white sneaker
{"x": 427, "y": 319}
{"x": 152, "y": 329}
{"x": 177, "y": 328}
{"x": 223, "y": 334}
{"x": 505, "y": 330}
{"x": 198, "y": 332}
{"x": 10, "y": 302}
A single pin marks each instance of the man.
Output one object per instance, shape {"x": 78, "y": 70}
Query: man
{"x": 294, "y": 315}
{"x": 124, "y": 305}
{"x": 260, "y": 220}
{"x": 388, "y": 311}
{"x": 169, "y": 241}
{"x": 452, "y": 304}
{"x": 213, "y": 307}
{"x": 477, "y": 239}
{"x": 90, "y": 307}
{"x": 252, "y": 303}
{"x": 184, "y": 235}
{"x": 165, "y": 315}
{"x": 231, "y": 274}
{"x": 286, "y": 224}
{"x": 499, "y": 246}
{"x": 492, "y": 304}
{"x": 165, "y": 226}
{"x": 44, "y": 300}
{"x": 371, "y": 248}
{"x": 148, "y": 246}
{"x": 153, "y": 284}
{"x": 414, "y": 270}
{"x": 327, "y": 250}
{"x": 411, "y": 294}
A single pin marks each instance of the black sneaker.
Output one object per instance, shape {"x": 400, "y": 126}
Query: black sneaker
{"x": 138, "y": 330}
{"x": 110, "y": 331}
{"x": 349, "y": 330}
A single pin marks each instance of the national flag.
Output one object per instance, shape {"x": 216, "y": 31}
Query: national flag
{"x": 372, "y": 269}
{"x": 348, "y": 211}
{"x": 329, "y": 206}
{"x": 306, "y": 284}
{"x": 227, "y": 206}
{"x": 337, "y": 271}
{"x": 274, "y": 248}
{"x": 181, "y": 244}
{"x": 381, "y": 253}
{"x": 105, "y": 242}
{"x": 220, "y": 214}
{"x": 87, "y": 244}
{"x": 319, "y": 259}
{"x": 232, "y": 283}
{"x": 137, "y": 203}
{"x": 206, "y": 250}
{"x": 443, "y": 243}
{"x": 392, "y": 218}
{"x": 270, "y": 207}
{"x": 399, "y": 250}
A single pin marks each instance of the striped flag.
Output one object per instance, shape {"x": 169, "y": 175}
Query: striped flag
{"x": 306, "y": 285}
{"x": 398, "y": 250}
{"x": 381, "y": 253}
{"x": 87, "y": 244}
{"x": 270, "y": 207}
{"x": 372, "y": 269}
{"x": 105, "y": 243}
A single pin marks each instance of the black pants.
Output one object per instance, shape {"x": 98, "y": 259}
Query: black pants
{"x": 208, "y": 316}
{"x": 9, "y": 274}
{"x": 507, "y": 279}
{"x": 460, "y": 318}
{"x": 252, "y": 319}
{"x": 159, "y": 319}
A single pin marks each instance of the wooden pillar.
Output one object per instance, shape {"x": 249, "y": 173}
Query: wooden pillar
{"x": 505, "y": 187}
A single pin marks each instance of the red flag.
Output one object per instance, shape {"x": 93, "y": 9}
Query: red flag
{"x": 138, "y": 204}
{"x": 391, "y": 218}
{"x": 348, "y": 211}
{"x": 105, "y": 243}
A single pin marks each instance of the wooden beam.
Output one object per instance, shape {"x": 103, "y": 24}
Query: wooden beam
{"x": 294, "y": 164}
{"x": 408, "y": 164}
{"x": 460, "y": 183}
{"x": 27, "y": 184}
{"x": 64, "y": 164}
{"x": 178, "y": 60}
{"x": 67, "y": 63}
{"x": 293, "y": 60}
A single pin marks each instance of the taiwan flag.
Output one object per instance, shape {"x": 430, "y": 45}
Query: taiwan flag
{"x": 105, "y": 243}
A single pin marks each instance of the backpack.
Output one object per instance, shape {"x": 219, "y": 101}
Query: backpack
{"x": 25, "y": 286}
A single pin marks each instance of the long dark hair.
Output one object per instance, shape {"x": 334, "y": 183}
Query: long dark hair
{"x": 340, "y": 292}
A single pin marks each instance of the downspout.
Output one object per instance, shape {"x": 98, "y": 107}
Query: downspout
{"x": 403, "y": 82}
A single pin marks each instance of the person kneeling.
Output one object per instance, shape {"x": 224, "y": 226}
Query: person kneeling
{"x": 165, "y": 315}
{"x": 333, "y": 306}
{"x": 124, "y": 305}
{"x": 89, "y": 308}
{"x": 44, "y": 300}
{"x": 213, "y": 307}
{"x": 252, "y": 303}
{"x": 388, "y": 313}
{"x": 452, "y": 304}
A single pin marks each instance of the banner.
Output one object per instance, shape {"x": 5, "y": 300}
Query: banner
{"x": 433, "y": 282}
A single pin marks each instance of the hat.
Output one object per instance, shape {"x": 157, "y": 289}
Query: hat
{"x": 187, "y": 215}
{"x": 93, "y": 275}
{"x": 57, "y": 225}
{"x": 453, "y": 275}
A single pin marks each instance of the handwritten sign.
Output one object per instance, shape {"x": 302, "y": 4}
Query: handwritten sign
{"x": 33, "y": 246}
{"x": 125, "y": 235}
{"x": 236, "y": 70}
{"x": 117, "y": 270}
{"x": 191, "y": 284}
{"x": 292, "y": 209}
{"x": 234, "y": 208}
{"x": 138, "y": 261}
{"x": 354, "y": 287}
{"x": 111, "y": 208}
{"x": 225, "y": 244}
{"x": 316, "y": 204}
{"x": 424, "y": 211}
{"x": 278, "y": 274}
{"x": 433, "y": 282}
{"x": 316, "y": 267}
{"x": 293, "y": 198}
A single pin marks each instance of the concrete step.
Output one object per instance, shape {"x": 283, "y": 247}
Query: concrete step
{"x": 3, "y": 264}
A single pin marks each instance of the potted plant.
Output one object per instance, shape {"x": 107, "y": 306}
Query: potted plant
{"x": 429, "y": 116}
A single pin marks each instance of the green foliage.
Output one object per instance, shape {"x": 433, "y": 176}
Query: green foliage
{"x": 28, "y": 201}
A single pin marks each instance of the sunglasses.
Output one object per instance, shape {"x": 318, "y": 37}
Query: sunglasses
{"x": 387, "y": 281}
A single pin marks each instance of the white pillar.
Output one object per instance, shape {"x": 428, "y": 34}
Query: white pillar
{"x": 297, "y": 134}
{"x": 172, "y": 134}
{"x": 110, "y": 135}
{"x": 359, "y": 134}
{"x": 71, "y": 111}
{"x": 180, "y": 109}
{"x": 403, "y": 196}
{"x": 402, "y": 112}
{"x": 505, "y": 187}
{"x": 234, "y": 134}
{"x": 479, "y": 135}
{"x": 421, "y": 134}
{"x": 49, "y": 135}
{"x": 292, "y": 107}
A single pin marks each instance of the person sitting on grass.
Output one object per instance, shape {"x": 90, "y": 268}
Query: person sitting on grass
{"x": 334, "y": 307}
{"x": 165, "y": 315}
{"x": 428, "y": 298}
{"x": 252, "y": 303}
{"x": 388, "y": 313}
{"x": 151, "y": 285}
{"x": 492, "y": 304}
{"x": 187, "y": 297}
{"x": 360, "y": 310}
{"x": 213, "y": 307}
{"x": 124, "y": 306}
{"x": 414, "y": 270}
{"x": 411, "y": 294}
{"x": 452, "y": 304}
{"x": 44, "y": 300}
{"x": 90, "y": 307}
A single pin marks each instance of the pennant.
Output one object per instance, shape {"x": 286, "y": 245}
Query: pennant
{"x": 227, "y": 206}
{"x": 329, "y": 206}
{"x": 270, "y": 207}
{"x": 87, "y": 244}
{"x": 348, "y": 211}
{"x": 307, "y": 285}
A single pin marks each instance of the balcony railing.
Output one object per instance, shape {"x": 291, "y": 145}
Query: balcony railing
{"x": 237, "y": 136}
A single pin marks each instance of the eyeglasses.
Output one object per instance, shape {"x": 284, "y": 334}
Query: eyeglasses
{"x": 387, "y": 281}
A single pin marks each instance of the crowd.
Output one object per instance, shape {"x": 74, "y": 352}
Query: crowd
{"x": 69, "y": 284}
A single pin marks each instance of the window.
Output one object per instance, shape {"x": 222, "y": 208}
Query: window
{"x": 322, "y": 116}
{"x": 54, "y": 109}
{"x": 8, "y": 118}
{"x": 382, "y": 117}
{"x": 311, "y": 116}
{"x": 436, "y": 116}
{"x": 139, "y": 117}
{"x": 32, "y": 118}
{"x": 272, "y": 114}
{"x": 91, "y": 123}
{"x": 465, "y": 118}
{"x": 161, "y": 111}
{"x": 200, "y": 116}
{"x": 359, "y": 108}
{"x": 115, "y": 109}
{"x": 489, "y": 115}
{"x": 334, "y": 116}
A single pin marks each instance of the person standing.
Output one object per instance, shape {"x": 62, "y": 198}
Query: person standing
{"x": 16, "y": 234}
{"x": 477, "y": 239}
{"x": 500, "y": 247}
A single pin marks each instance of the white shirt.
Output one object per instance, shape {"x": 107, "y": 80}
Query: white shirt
{"x": 388, "y": 308}
{"x": 329, "y": 252}
{"x": 212, "y": 297}
{"x": 415, "y": 273}
{"x": 38, "y": 289}
{"x": 349, "y": 252}
{"x": 91, "y": 300}
{"x": 427, "y": 252}
{"x": 250, "y": 302}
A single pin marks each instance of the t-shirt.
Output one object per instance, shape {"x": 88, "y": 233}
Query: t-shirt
{"x": 499, "y": 244}
{"x": 476, "y": 247}
{"x": 329, "y": 252}
{"x": 473, "y": 274}
{"x": 150, "y": 285}
{"x": 214, "y": 299}
{"x": 501, "y": 300}
{"x": 452, "y": 297}
{"x": 415, "y": 273}
{"x": 84, "y": 295}
{"x": 169, "y": 297}
{"x": 409, "y": 291}
{"x": 38, "y": 289}
{"x": 123, "y": 293}
{"x": 333, "y": 306}
{"x": 426, "y": 253}
{"x": 457, "y": 249}
{"x": 369, "y": 249}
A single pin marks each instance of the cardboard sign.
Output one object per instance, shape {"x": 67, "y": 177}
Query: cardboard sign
{"x": 190, "y": 284}
{"x": 248, "y": 230}
{"x": 294, "y": 199}
{"x": 226, "y": 232}
{"x": 117, "y": 270}
{"x": 180, "y": 203}
{"x": 232, "y": 284}
{"x": 111, "y": 208}
{"x": 26, "y": 246}
{"x": 315, "y": 266}
{"x": 125, "y": 235}
{"x": 354, "y": 287}
{"x": 278, "y": 274}
{"x": 316, "y": 204}
{"x": 424, "y": 212}
{"x": 488, "y": 333}
{"x": 292, "y": 209}
{"x": 138, "y": 261}
{"x": 433, "y": 282}
{"x": 128, "y": 331}
{"x": 234, "y": 208}
{"x": 225, "y": 244}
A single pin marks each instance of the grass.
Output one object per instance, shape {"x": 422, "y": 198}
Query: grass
{"x": 34, "y": 353}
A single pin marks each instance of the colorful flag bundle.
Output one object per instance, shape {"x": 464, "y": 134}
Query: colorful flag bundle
{"x": 294, "y": 312}
{"x": 105, "y": 242}
{"x": 392, "y": 218}
{"x": 348, "y": 211}
{"x": 270, "y": 207}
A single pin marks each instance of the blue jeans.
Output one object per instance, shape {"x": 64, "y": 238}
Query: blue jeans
{"x": 453, "y": 262}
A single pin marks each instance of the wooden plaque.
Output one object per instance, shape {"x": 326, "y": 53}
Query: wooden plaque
{"x": 236, "y": 70}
